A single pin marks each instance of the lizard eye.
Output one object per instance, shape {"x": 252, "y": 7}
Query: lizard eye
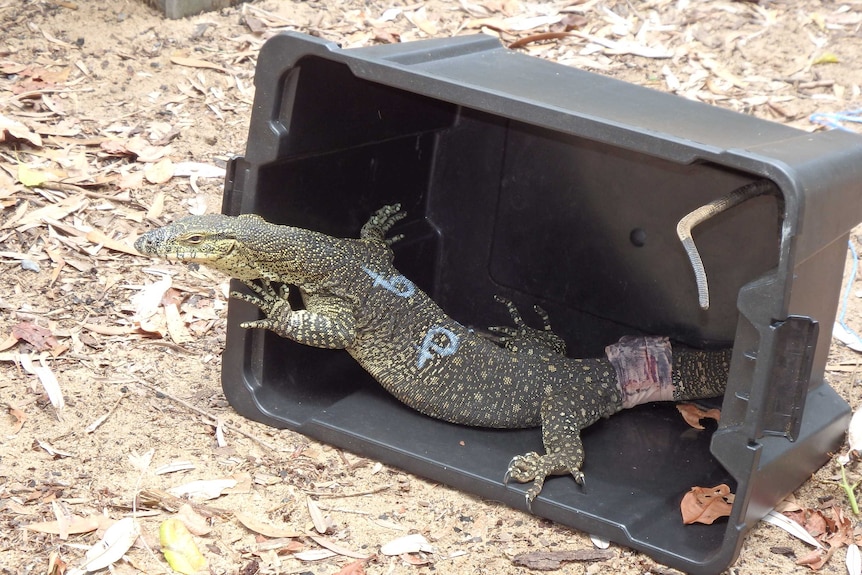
{"x": 196, "y": 239}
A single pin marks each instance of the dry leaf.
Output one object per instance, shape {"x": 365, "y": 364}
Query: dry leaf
{"x": 47, "y": 378}
{"x": 161, "y": 172}
{"x": 335, "y": 548}
{"x": 118, "y": 539}
{"x": 706, "y": 504}
{"x": 551, "y": 560}
{"x": 317, "y": 518}
{"x": 73, "y": 525}
{"x": 693, "y": 414}
{"x": 196, "y": 523}
{"x": 355, "y": 568}
{"x": 853, "y": 560}
{"x": 314, "y": 555}
{"x": 267, "y": 530}
{"x": 196, "y": 63}
{"x": 412, "y": 543}
{"x": 14, "y": 130}
{"x": 100, "y": 238}
{"x": 20, "y": 418}
{"x": 39, "y": 337}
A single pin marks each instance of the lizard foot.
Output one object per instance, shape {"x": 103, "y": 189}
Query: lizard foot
{"x": 536, "y": 468}
{"x": 381, "y": 222}
{"x": 272, "y": 303}
{"x": 525, "y": 338}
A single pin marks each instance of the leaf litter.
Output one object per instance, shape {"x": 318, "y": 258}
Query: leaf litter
{"x": 85, "y": 167}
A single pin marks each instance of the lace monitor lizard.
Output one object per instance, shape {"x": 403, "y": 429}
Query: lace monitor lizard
{"x": 355, "y": 299}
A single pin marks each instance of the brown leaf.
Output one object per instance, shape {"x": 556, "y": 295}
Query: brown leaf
{"x": 39, "y": 337}
{"x": 693, "y": 414}
{"x": 355, "y": 568}
{"x": 812, "y": 520}
{"x": 550, "y": 560}
{"x": 817, "y": 558}
{"x": 706, "y": 504}
{"x": 20, "y": 418}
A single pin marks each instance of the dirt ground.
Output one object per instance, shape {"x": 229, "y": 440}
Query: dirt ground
{"x": 103, "y": 105}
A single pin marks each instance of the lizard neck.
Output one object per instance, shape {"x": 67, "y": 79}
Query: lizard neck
{"x": 286, "y": 254}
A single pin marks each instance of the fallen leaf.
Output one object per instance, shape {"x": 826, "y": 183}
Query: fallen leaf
{"x": 335, "y": 548}
{"x": 817, "y": 558}
{"x": 694, "y": 413}
{"x": 551, "y": 560}
{"x": 267, "y": 530}
{"x": 14, "y": 130}
{"x": 118, "y": 539}
{"x": 20, "y": 418}
{"x": 825, "y": 58}
{"x": 100, "y": 238}
{"x": 317, "y": 518}
{"x": 196, "y": 523}
{"x": 47, "y": 378}
{"x": 783, "y": 522}
{"x": 39, "y": 337}
{"x": 161, "y": 172}
{"x": 178, "y": 547}
{"x": 854, "y": 560}
{"x": 412, "y": 543}
{"x": 75, "y": 525}
{"x": 314, "y": 555}
{"x": 196, "y": 63}
{"x": 706, "y": 504}
{"x": 355, "y": 568}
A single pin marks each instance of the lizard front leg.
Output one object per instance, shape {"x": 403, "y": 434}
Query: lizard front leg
{"x": 326, "y": 322}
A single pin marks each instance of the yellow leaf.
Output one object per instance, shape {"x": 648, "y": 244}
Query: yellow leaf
{"x": 31, "y": 177}
{"x": 825, "y": 58}
{"x": 179, "y": 547}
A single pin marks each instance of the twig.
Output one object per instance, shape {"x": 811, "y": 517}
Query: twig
{"x": 204, "y": 413}
{"x": 337, "y": 495}
{"x": 72, "y": 188}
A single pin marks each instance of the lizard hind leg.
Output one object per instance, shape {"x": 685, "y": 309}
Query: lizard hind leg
{"x": 563, "y": 417}
{"x": 565, "y": 457}
{"x": 525, "y": 339}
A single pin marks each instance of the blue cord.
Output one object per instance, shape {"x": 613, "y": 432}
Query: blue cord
{"x": 846, "y": 297}
{"x": 833, "y": 119}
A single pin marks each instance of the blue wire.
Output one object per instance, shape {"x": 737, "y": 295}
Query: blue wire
{"x": 846, "y": 297}
{"x": 833, "y": 119}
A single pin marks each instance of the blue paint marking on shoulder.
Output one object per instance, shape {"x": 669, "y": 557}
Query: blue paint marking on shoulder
{"x": 397, "y": 284}
{"x": 430, "y": 348}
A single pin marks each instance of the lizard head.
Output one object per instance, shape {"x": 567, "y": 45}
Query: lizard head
{"x": 215, "y": 240}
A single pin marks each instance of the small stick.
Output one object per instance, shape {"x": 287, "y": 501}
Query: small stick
{"x": 204, "y": 413}
{"x": 703, "y": 213}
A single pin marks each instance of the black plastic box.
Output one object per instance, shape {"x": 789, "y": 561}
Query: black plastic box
{"x": 546, "y": 184}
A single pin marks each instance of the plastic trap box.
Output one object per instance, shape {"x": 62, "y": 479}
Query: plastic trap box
{"x": 553, "y": 186}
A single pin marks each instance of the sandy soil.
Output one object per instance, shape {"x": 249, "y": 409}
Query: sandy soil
{"x": 105, "y": 93}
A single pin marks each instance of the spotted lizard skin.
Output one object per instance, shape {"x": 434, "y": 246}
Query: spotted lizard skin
{"x": 355, "y": 299}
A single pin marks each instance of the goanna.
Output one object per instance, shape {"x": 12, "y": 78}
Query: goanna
{"x": 355, "y": 299}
